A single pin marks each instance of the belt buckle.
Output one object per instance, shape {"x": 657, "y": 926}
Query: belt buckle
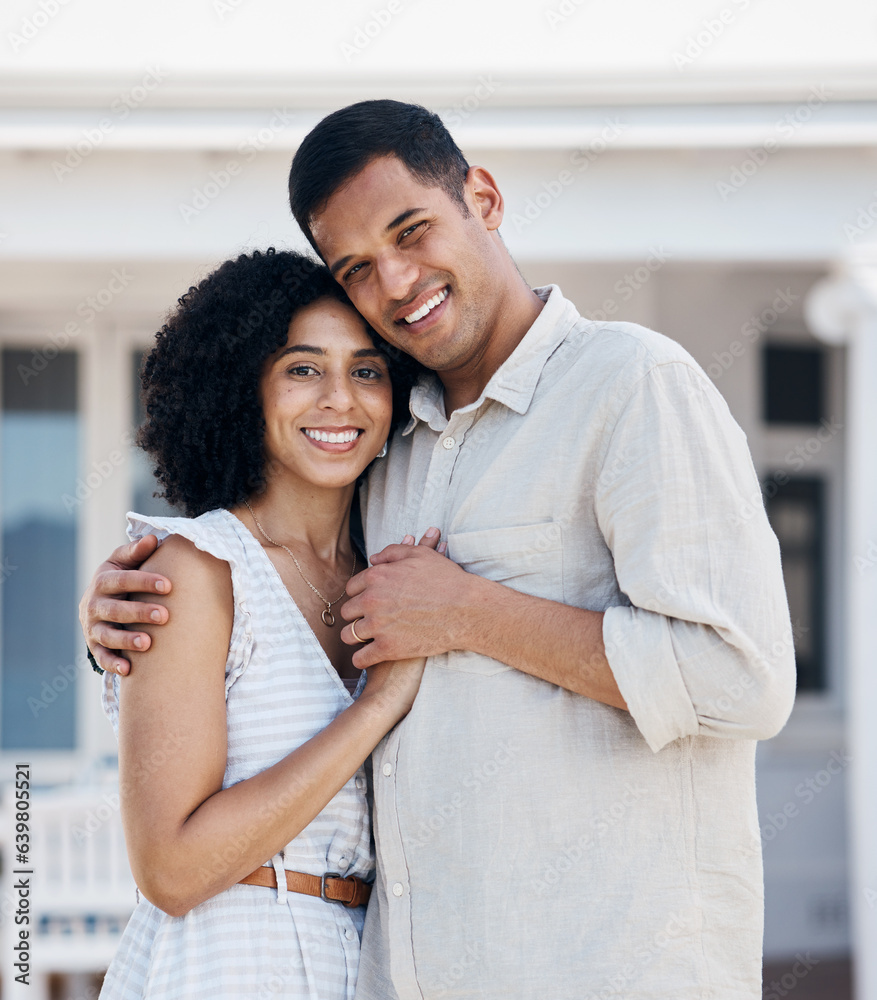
{"x": 323, "y": 878}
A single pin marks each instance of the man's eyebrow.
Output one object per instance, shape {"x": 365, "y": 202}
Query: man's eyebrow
{"x": 333, "y": 268}
{"x": 403, "y": 217}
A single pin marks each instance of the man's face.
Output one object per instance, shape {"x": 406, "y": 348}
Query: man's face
{"x": 426, "y": 277}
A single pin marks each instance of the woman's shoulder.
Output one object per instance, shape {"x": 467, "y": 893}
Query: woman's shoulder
{"x": 210, "y": 522}
{"x": 217, "y": 532}
{"x": 189, "y": 541}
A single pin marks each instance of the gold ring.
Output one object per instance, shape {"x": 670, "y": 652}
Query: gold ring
{"x": 353, "y": 630}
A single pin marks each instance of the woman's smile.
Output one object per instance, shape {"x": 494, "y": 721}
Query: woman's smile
{"x": 333, "y": 439}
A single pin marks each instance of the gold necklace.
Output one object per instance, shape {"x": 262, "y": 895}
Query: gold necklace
{"x": 326, "y": 615}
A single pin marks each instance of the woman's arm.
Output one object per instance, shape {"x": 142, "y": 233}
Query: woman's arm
{"x": 187, "y": 838}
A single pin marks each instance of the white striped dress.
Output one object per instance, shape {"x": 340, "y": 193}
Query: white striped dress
{"x": 281, "y": 690}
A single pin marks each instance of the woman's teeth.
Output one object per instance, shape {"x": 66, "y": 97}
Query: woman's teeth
{"x": 427, "y": 306}
{"x": 331, "y": 438}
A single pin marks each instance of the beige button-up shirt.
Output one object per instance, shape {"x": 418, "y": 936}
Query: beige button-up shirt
{"x": 534, "y": 844}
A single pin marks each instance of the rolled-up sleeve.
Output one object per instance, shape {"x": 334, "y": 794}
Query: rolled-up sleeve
{"x": 706, "y": 646}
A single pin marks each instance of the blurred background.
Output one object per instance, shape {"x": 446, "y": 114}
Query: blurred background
{"x": 705, "y": 167}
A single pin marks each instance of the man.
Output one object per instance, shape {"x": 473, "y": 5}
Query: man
{"x": 569, "y": 809}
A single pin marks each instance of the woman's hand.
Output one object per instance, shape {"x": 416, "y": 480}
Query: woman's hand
{"x": 392, "y": 686}
{"x": 431, "y": 540}
{"x": 395, "y": 683}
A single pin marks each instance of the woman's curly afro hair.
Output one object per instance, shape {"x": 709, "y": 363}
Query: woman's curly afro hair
{"x": 204, "y": 425}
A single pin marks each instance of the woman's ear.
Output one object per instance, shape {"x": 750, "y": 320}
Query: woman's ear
{"x": 484, "y": 197}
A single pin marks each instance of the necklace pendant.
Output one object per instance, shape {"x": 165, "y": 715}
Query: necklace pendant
{"x": 328, "y": 617}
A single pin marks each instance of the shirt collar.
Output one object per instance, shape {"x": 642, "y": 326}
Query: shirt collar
{"x": 515, "y": 381}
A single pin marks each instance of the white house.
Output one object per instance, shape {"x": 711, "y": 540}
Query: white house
{"x": 708, "y": 170}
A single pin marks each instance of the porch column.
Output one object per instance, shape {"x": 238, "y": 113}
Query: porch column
{"x": 842, "y": 309}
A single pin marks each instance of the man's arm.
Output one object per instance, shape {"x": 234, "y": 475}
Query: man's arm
{"x": 413, "y": 599}
{"x": 104, "y": 606}
{"x": 704, "y": 645}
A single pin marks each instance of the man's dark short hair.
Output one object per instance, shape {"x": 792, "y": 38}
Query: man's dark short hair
{"x": 346, "y": 141}
{"x": 204, "y": 427}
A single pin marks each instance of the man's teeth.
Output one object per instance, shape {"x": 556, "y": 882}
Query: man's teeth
{"x": 427, "y": 306}
{"x": 331, "y": 438}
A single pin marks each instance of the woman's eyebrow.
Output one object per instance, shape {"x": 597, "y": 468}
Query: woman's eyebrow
{"x": 363, "y": 352}
{"x": 303, "y": 348}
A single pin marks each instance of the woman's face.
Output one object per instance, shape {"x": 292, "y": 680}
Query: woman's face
{"x": 326, "y": 396}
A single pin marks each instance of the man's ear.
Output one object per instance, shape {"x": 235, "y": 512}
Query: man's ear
{"x": 485, "y": 200}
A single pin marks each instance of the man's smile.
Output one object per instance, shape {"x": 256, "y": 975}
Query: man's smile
{"x": 424, "y": 310}
{"x": 427, "y": 307}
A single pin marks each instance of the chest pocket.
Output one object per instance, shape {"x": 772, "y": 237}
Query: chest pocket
{"x": 527, "y": 558}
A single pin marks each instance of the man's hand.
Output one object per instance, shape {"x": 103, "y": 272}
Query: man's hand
{"x": 408, "y": 602}
{"x": 412, "y": 602}
{"x": 103, "y": 607}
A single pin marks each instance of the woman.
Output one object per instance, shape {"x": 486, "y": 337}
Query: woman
{"x": 241, "y": 747}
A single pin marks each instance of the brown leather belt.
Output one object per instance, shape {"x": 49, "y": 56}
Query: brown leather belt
{"x": 331, "y": 886}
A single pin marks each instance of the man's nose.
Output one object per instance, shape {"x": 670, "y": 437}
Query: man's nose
{"x": 397, "y": 275}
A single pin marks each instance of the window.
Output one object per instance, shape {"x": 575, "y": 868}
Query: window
{"x": 143, "y": 483}
{"x": 796, "y": 514}
{"x": 793, "y": 384}
{"x": 40, "y": 459}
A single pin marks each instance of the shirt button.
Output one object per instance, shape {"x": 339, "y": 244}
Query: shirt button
{"x": 398, "y": 889}
{"x": 343, "y": 862}
{"x": 387, "y": 769}
{"x": 360, "y": 782}
{"x": 348, "y": 934}
{"x": 448, "y": 443}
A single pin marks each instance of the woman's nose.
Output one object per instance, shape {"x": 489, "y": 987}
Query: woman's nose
{"x": 337, "y": 393}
